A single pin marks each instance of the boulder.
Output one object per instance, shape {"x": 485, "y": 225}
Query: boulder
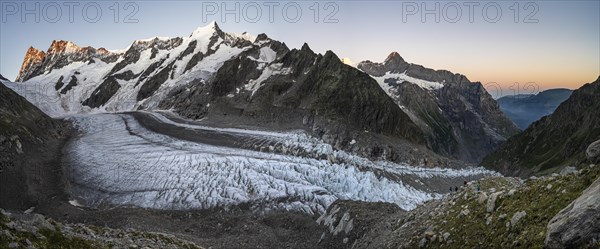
{"x": 593, "y": 152}
{"x": 577, "y": 225}
{"x": 517, "y": 217}
{"x": 491, "y": 203}
{"x": 568, "y": 170}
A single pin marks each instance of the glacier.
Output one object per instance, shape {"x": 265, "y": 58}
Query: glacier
{"x": 116, "y": 161}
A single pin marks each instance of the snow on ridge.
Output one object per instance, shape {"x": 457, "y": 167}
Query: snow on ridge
{"x": 403, "y": 77}
{"x": 271, "y": 70}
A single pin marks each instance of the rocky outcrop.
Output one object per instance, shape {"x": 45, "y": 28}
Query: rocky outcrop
{"x": 593, "y": 152}
{"x": 462, "y": 219}
{"x": 2, "y": 78}
{"x": 59, "y": 54}
{"x": 576, "y": 226}
{"x": 459, "y": 117}
{"x": 103, "y": 93}
{"x": 31, "y": 63}
{"x": 556, "y": 141}
{"x": 346, "y": 222}
{"x": 31, "y": 230}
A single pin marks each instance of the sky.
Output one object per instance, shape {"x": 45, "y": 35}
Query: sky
{"x": 509, "y": 46}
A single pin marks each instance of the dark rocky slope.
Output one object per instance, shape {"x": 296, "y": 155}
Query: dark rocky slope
{"x": 555, "y": 141}
{"x": 30, "y": 144}
{"x": 526, "y": 109}
{"x": 459, "y": 117}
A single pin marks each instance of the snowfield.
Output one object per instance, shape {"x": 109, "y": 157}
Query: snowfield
{"x": 118, "y": 162}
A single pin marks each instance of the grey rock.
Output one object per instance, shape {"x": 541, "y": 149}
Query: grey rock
{"x": 576, "y": 225}
{"x": 446, "y": 236}
{"x": 517, "y": 217}
{"x": 13, "y": 245}
{"x": 422, "y": 242}
{"x": 491, "y": 203}
{"x": 593, "y": 152}
{"x": 568, "y": 170}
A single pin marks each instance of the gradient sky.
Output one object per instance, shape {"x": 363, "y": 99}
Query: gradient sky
{"x": 561, "y": 50}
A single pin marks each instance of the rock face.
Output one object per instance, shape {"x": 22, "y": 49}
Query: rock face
{"x": 593, "y": 152}
{"x": 347, "y": 222}
{"x": 2, "y": 78}
{"x": 555, "y": 141}
{"x": 526, "y": 109}
{"x": 28, "y": 145}
{"x": 458, "y": 117}
{"x": 60, "y": 54}
{"x": 576, "y": 226}
{"x": 239, "y": 80}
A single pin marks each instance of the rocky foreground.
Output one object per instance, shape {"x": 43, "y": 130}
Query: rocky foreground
{"x": 31, "y": 230}
{"x": 555, "y": 211}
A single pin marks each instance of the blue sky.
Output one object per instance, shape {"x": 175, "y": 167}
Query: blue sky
{"x": 551, "y": 43}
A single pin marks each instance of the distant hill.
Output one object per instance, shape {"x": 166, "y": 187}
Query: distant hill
{"x": 525, "y": 109}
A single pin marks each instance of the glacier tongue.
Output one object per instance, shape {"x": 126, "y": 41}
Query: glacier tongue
{"x": 116, "y": 161}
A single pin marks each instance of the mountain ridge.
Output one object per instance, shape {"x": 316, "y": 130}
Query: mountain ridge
{"x": 460, "y": 118}
{"x": 555, "y": 141}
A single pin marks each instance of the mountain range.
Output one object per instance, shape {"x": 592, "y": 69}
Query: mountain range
{"x": 527, "y": 108}
{"x": 393, "y": 110}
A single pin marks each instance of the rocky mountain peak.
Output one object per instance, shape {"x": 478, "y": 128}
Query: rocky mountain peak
{"x": 306, "y": 48}
{"x": 103, "y": 51}
{"x": 262, "y": 38}
{"x": 394, "y": 57}
{"x": 442, "y": 113}
{"x": 61, "y": 46}
{"x": 33, "y": 59}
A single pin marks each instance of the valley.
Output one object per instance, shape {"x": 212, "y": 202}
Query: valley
{"x": 226, "y": 140}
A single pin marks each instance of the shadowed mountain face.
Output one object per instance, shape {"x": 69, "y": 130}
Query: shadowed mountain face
{"x": 458, "y": 117}
{"x": 28, "y": 148}
{"x": 526, "y": 109}
{"x": 555, "y": 141}
{"x": 234, "y": 80}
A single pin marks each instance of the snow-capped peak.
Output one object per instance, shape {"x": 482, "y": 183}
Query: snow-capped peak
{"x": 157, "y": 38}
{"x": 209, "y": 30}
{"x": 246, "y": 36}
